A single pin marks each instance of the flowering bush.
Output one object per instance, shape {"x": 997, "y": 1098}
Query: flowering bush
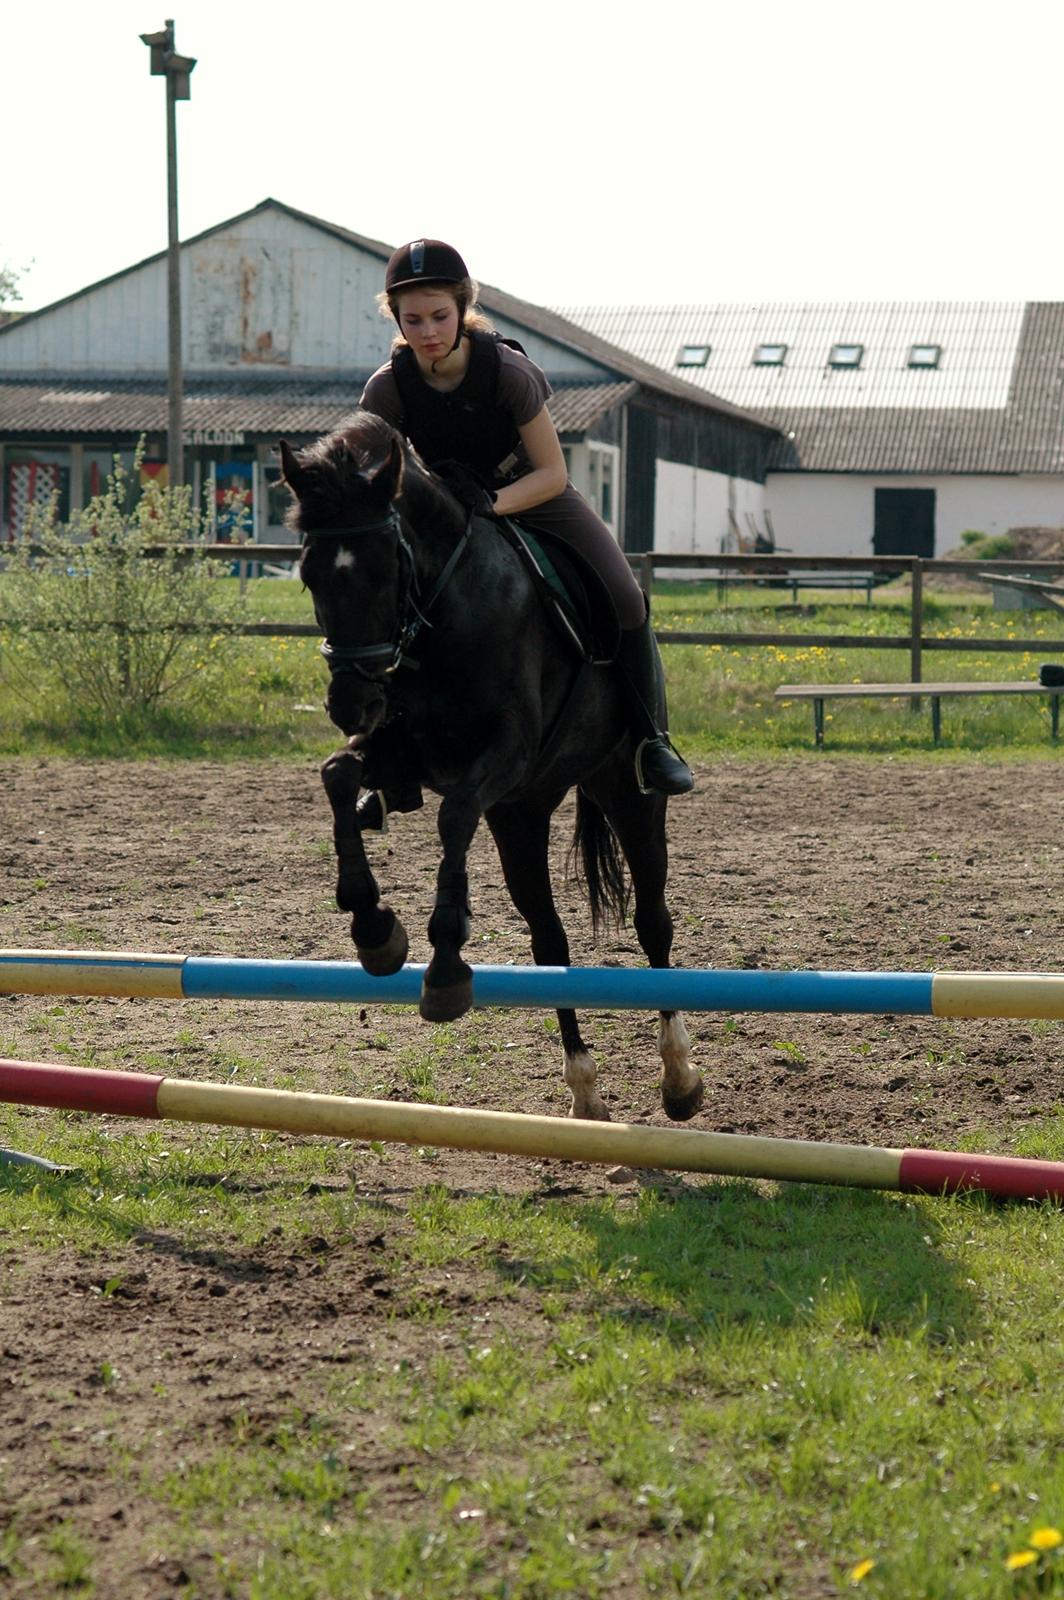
{"x": 111, "y": 613}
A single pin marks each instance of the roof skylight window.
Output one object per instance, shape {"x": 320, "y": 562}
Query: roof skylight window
{"x": 846, "y": 355}
{"x": 925, "y": 355}
{"x": 770, "y": 355}
{"x": 693, "y": 355}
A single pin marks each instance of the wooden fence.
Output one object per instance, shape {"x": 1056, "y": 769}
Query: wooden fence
{"x": 760, "y": 569}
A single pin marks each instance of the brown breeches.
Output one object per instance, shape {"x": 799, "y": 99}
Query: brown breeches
{"x": 568, "y": 517}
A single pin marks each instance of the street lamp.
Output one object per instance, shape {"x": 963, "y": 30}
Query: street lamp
{"x": 177, "y": 70}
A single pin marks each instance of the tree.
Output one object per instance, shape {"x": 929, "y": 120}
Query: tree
{"x": 9, "y": 291}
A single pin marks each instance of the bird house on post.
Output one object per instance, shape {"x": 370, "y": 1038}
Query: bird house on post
{"x": 161, "y": 45}
{"x": 181, "y": 69}
{"x": 177, "y": 70}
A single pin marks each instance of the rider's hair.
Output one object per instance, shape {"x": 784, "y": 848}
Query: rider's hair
{"x": 464, "y": 294}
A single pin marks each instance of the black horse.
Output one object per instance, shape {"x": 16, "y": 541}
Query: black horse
{"x": 448, "y": 671}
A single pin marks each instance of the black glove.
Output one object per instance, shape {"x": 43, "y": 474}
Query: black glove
{"x": 466, "y": 487}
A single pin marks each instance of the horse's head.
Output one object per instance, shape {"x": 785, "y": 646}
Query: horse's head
{"x": 355, "y": 560}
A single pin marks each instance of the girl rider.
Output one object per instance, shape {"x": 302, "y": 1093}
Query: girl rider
{"x": 461, "y": 396}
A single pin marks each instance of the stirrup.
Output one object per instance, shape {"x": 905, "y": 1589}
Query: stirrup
{"x": 673, "y": 775}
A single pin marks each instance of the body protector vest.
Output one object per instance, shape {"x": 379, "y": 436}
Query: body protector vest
{"x": 465, "y": 425}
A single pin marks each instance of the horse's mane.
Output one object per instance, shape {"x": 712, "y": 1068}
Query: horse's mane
{"x": 339, "y": 467}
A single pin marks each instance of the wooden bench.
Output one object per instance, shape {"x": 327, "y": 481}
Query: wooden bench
{"x": 795, "y": 581}
{"x": 819, "y": 692}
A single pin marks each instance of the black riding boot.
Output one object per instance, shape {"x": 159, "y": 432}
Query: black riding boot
{"x": 657, "y": 766}
{"x": 373, "y": 808}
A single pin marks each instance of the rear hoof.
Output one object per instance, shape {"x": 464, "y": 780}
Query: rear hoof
{"x": 445, "y": 1002}
{"x": 681, "y": 1108}
{"x": 595, "y": 1111}
{"x": 386, "y": 958}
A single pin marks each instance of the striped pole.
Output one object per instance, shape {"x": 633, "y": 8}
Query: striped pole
{"x": 134, "y": 1094}
{"x": 174, "y": 977}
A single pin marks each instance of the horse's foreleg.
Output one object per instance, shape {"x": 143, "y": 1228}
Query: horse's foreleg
{"x": 379, "y": 937}
{"x": 521, "y": 835}
{"x": 447, "y": 987}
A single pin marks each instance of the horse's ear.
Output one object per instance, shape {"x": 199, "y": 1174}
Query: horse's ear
{"x": 389, "y": 475}
{"x": 291, "y": 471}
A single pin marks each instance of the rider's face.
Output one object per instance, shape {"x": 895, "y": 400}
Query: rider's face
{"x": 428, "y": 321}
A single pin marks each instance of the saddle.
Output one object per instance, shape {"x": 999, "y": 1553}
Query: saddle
{"x": 575, "y": 596}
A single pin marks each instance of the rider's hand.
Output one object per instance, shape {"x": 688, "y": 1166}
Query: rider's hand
{"x": 466, "y": 487}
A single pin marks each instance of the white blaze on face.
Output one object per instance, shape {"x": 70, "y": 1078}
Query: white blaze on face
{"x": 344, "y": 558}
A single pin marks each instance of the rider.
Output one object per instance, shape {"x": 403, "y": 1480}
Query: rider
{"x": 462, "y": 396}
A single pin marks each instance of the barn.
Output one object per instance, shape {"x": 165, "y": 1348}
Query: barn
{"x": 280, "y": 331}
{"x": 901, "y": 426}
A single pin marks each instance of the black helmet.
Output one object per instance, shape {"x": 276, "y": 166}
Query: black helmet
{"x": 424, "y": 261}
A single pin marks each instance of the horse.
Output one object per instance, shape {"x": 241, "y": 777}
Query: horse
{"x": 447, "y": 670}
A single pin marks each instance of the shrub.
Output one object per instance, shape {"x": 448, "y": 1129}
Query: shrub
{"x": 98, "y": 622}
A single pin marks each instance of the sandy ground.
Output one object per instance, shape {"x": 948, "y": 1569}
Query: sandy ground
{"x": 810, "y": 863}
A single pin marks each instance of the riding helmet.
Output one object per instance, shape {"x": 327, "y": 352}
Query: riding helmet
{"x": 424, "y": 261}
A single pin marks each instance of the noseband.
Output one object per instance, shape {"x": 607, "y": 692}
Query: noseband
{"x": 411, "y": 617}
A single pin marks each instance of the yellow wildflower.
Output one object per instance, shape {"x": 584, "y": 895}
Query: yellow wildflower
{"x": 1020, "y": 1558}
{"x": 861, "y": 1570}
{"x": 1046, "y": 1538}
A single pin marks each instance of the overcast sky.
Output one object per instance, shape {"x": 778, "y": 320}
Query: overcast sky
{"x": 577, "y": 153}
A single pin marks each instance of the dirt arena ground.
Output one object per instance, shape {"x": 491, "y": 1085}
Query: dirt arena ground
{"x": 806, "y": 862}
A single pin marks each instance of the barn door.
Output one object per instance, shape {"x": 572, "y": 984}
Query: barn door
{"x": 905, "y": 522}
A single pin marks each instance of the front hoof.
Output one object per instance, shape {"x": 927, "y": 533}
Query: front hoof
{"x": 681, "y": 1108}
{"x": 446, "y": 1001}
{"x": 384, "y": 959}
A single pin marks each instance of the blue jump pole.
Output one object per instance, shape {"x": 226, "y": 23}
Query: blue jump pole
{"x": 583, "y": 988}
{"x": 175, "y": 977}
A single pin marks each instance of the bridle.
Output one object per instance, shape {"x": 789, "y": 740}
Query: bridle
{"x": 411, "y": 615}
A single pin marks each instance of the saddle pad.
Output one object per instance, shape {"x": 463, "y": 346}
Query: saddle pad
{"x": 572, "y": 584}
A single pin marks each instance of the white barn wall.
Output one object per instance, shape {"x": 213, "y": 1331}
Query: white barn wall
{"x": 833, "y": 514}
{"x": 267, "y": 293}
{"x": 691, "y": 507}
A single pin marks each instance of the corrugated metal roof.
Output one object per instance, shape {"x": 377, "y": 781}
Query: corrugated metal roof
{"x": 38, "y": 410}
{"x": 995, "y": 403}
{"x": 576, "y": 409}
{"x": 978, "y": 342}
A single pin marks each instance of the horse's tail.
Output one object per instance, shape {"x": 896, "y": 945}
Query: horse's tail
{"x": 595, "y": 856}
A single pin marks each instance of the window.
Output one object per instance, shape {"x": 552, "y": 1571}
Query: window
{"x": 846, "y": 355}
{"x": 770, "y": 355}
{"x": 33, "y": 476}
{"x": 925, "y": 355}
{"x": 693, "y": 355}
{"x": 604, "y": 462}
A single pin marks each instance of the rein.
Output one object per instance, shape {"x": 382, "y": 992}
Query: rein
{"x": 412, "y": 616}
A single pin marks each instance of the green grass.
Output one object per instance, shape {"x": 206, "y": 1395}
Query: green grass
{"x": 732, "y": 1391}
{"x": 720, "y": 696}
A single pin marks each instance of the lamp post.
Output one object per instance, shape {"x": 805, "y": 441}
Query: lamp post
{"x": 177, "y": 70}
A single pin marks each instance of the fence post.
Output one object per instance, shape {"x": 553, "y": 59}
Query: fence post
{"x": 916, "y": 671}
{"x": 646, "y": 571}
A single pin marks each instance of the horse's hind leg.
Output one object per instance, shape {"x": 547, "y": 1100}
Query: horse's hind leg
{"x": 639, "y": 823}
{"x": 521, "y": 834}
{"x": 380, "y": 938}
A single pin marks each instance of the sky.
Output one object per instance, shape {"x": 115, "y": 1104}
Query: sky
{"x": 576, "y": 152}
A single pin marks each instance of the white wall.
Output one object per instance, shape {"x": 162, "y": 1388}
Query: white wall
{"x": 268, "y": 293}
{"x": 824, "y": 513}
{"x": 691, "y": 507}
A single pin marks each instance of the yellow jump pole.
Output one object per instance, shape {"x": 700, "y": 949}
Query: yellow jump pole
{"x": 507, "y": 1132}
